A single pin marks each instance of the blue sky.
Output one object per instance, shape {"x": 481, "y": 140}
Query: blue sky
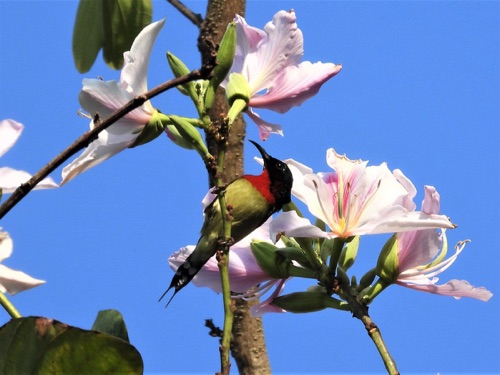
{"x": 419, "y": 90}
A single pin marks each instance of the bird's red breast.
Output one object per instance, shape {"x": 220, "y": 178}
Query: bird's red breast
{"x": 262, "y": 184}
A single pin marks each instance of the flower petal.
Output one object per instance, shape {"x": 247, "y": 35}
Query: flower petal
{"x": 10, "y": 131}
{"x": 13, "y": 282}
{"x": 135, "y": 68}
{"x": 265, "y": 128}
{"x": 294, "y": 86}
{"x": 6, "y": 245}
{"x": 292, "y": 225}
{"x": 281, "y": 47}
{"x": 454, "y": 288}
{"x": 11, "y": 179}
{"x": 105, "y": 97}
{"x": 106, "y": 146}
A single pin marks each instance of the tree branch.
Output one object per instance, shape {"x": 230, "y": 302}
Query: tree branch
{"x": 87, "y": 138}
{"x": 195, "y": 18}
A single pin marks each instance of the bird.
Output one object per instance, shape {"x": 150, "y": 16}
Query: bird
{"x": 252, "y": 200}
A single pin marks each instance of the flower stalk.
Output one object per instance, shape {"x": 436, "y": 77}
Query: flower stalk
{"x": 9, "y": 307}
{"x": 360, "y": 311}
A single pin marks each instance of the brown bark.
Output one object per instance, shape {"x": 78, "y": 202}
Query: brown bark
{"x": 248, "y": 345}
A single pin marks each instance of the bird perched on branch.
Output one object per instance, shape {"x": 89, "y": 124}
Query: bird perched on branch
{"x": 252, "y": 200}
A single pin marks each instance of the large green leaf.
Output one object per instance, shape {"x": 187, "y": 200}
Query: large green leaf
{"x": 108, "y": 24}
{"x": 111, "y": 322}
{"x": 36, "y": 345}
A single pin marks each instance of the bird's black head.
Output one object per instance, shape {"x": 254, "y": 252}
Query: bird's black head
{"x": 280, "y": 176}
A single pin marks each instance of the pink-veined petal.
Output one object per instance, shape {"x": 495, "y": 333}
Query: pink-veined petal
{"x": 453, "y": 288}
{"x": 10, "y": 131}
{"x": 266, "y": 306}
{"x": 294, "y": 86}
{"x": 417, "y": 248}
{"x": 265, "y": 128}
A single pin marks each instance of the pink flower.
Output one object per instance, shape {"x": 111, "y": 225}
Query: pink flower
{"x": 421, "y": 257}
{"x": 247, "y": 279}
{"x": 105, "y": 97}
{"x": 355, "y": 199}
{"x": 12, "y": 281}
{"x": 270, "y": 60}
{"x": 11, "y": 179}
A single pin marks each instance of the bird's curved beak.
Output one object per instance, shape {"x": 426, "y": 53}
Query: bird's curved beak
{"x": 263, "y": 152}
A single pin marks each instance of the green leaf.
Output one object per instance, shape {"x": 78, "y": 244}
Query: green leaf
{"x": 108, "y": 24}
{"x": 37, "y": 345}
{"x": 87, "y": 34}
{"x": 123, "y": 21}
{"x": 112, "y": 323}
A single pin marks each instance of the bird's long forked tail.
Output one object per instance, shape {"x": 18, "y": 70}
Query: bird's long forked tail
{"x": 182, "y": 277}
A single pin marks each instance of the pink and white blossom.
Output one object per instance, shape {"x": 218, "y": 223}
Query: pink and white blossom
{"x": 11, "y": 179}
{"x": 105, "y": 97}
{"x": 355, "y": 199}
{"x": 270, "y": 60}
{"x": 12, "y": 281}
{"x": 421, "y": 257}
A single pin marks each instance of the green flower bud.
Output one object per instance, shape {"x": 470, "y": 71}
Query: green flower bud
{"x": 190, "y": 134}
{"x": 367, "y": 279}
{"x": 225, "y": 57}
{"x": 311, "y": 301}
{"x": 272, "y": 263}
{"x": 153, "y": 129}
{"x": 176, "y": 137}
{"x": 180, "y": 69}
{"x": 293, "y": 253}
{"x": 387, "y": 263}
{"x": 349, "y": 253}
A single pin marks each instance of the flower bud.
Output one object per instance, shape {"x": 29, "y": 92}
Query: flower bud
{"x": 151, "y": 130}
{"x": 310, "y": 301}
{"x": 174, "y": 135}
{"x": 225, "y": 57}
{"x": 180, "y": 69}
{"x": 387, "y": 263}
{"x": 272, "y": 263}
{"x": 349, "y": 253}
{"x": 190, "y": 134}
{"x": 367, "y": 279}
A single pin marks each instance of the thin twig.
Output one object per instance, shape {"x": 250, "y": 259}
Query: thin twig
{"x": 87, "y": 138}
{"x": 360, "y": 311}
{"x": 195, "y": 18}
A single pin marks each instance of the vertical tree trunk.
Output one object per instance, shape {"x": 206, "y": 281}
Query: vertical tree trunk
{"x": 248, "y": 345}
